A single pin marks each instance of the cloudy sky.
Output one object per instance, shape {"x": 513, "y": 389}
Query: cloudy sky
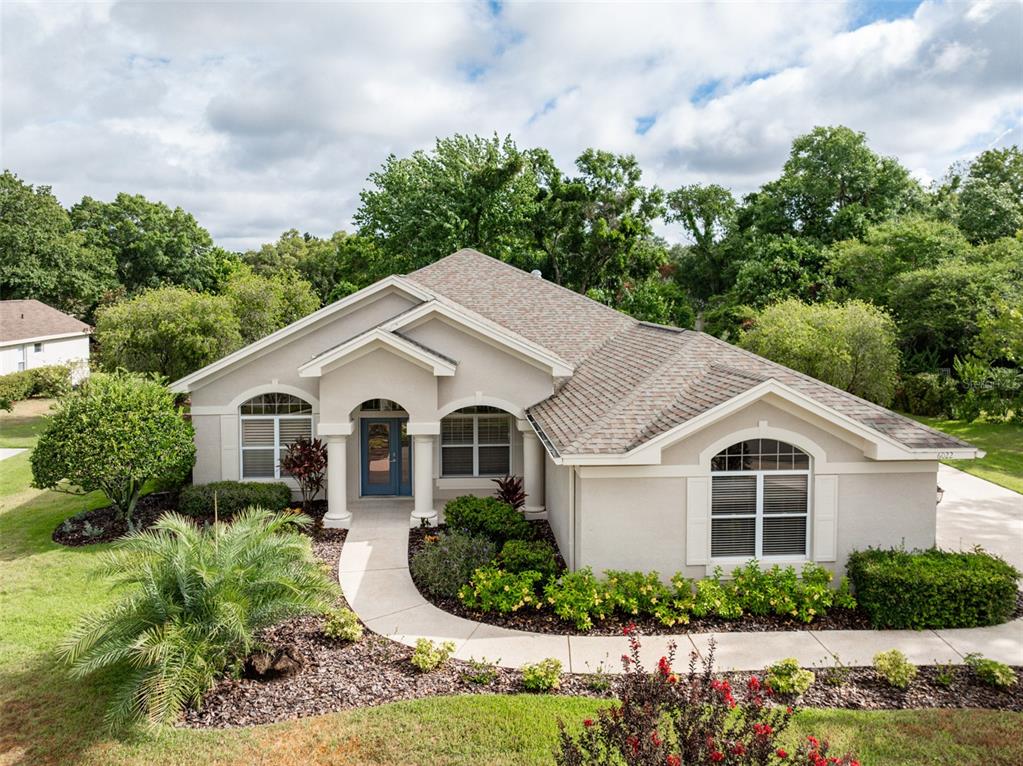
{"x": 262, "y": 117}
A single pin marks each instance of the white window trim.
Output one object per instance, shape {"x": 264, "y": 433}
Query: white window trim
{"x": 475, "y": 445}
{"x": 759, "y": 517}
{"x": 242, "y": 449}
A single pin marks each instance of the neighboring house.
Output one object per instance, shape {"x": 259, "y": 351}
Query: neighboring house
{"x": 649, "y": 447}
{"x": 33, "y": 334}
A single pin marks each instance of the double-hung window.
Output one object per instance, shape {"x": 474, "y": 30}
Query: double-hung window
{"x": 269, "y": 424}
{"x": 760, "y": 501}
{"x": 476, "y": 441}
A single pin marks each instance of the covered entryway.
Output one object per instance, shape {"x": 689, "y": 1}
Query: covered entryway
{"x": 386, "y": 456}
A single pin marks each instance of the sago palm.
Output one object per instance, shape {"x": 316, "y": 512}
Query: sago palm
{"x": 195, "y": 600}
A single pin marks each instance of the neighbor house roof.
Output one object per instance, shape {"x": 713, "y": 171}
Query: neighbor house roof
{"x": 28, "y": 320}
{"x": 634, "y": 380}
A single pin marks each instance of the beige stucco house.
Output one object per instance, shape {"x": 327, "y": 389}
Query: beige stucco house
{"x": 647, "y": 447}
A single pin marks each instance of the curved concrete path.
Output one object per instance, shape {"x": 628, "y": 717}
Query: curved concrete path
{"x": 374, "y": 575}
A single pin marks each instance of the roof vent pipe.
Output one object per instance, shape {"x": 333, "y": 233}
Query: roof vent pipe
{"x": 537, "y": 273}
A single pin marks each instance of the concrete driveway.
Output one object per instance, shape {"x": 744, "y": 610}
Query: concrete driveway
{"x": 977, "y": 512}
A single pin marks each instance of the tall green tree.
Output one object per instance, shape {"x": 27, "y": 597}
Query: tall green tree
{"x": 833, "y": 186}
{"x": 265, "y": 304}
{"x": 707, "y": 215}
{"x": 152, "y": 244}
{"x": 988, "y": 211}
{"x": 467, "y": 191}
{"x": 170, "y": 331}
{"x": 851, "y": 346}
{"x": 43, "y": 258}
{"x": 780, "y": 267}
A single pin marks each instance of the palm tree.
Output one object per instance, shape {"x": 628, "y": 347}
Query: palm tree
{"x": 196, "y": 598}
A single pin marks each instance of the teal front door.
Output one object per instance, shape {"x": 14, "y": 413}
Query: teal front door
{"x": 386, "y": 457}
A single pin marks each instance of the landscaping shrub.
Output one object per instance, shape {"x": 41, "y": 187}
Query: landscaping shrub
{"x": 487, "y": 517}
{"x": 669, "y": 720}
{"x": 480, "y": 672}
{"x": 542, "y": 676}
{"x": 114, "y": 433}
{"x": 580, "y": 598}
{"x": 529, "y": 555}
{"x": 191, "y": 603}
{"x": 444, "y": 566}
{"x": 894, "y": 668}
{"x": 429, "y": 656}
{"x": 933, "y": 588}
{"x": 305, "y": 460}
{"x": 786, "y": 677}
{"x": 716, "y": 597}
{"x": 342, "y": 624}
{"x": 783, "y": 592}
{"x": 926, "y": 393}
{"x": 509, "y": 490}
{"x": 991, "y": 672}
{"x": 51, "y": 382}
{"x": 495, "y": 590}
{"x": 233, "y": 497}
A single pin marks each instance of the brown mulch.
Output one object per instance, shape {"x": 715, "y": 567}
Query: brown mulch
{"x": 336, "y": 675}
{"x": 538, "y": 621}
{"x": 103, "y": 525}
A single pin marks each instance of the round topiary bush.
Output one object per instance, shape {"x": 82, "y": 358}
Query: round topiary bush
{"x": 487, "y": 517}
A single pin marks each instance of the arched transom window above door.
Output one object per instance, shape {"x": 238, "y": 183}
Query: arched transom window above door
{"x": 269, "y": 425}
{"x": 760, "y": 501}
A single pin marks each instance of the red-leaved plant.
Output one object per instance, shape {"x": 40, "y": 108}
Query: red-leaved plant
{"x": 509, "y": 490}
{"x": 667, "y": 719}
{"x": 306, "y": 461}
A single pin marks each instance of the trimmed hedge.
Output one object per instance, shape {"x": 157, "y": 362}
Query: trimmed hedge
{"x": 51, "y": 382}
{"x": 232, "y": 497}
{"x": 487, "y": 517}
{"x": 932, "y": 588}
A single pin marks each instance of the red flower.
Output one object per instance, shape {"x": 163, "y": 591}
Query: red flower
{"x": 789, "y": 710}
{"x": 664, "y": 666}
{"x": 738, "y": 749}
{"x": 672, "y": 760}
{"x": 629, "y": 629}
{"x": 754, "y": 684}
{"x": 588, "y": 723}
{"x": 717, "y": 756}
{"x": 655, "y": 738}
{"x": 780, "y": 752}
{"x": 634, "y": 744}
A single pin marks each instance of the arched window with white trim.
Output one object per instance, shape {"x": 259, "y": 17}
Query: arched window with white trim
{"x": 760, "y": 501}
{"x": 269, "y": 424}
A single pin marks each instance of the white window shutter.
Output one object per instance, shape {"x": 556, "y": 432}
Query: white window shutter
{"x": 697, "y": 520}
{"x": 825, "y": 518}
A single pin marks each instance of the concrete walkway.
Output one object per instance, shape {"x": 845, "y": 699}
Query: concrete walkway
{"x": 976, "y": 512}
{"x": 374, "y": 575}
{"x": 6, "y": 452}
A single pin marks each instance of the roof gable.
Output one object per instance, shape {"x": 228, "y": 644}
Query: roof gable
{"x": 29, "y": 320}
{"x": 374, "y": 339}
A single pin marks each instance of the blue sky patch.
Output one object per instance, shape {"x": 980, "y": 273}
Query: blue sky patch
{"x": 643, "y": 124}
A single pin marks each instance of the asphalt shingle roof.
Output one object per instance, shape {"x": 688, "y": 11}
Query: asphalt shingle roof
{"x": 633, "y": 380}
{"x": 27, "y": 319}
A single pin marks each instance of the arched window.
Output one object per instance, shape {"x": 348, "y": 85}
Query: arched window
{"x": 269, "y": 424}
{"x": 475, "y": 441}
{"x": 760, "y": 500}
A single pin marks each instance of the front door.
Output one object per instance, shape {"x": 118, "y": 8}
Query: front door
{"x": 386, "y": 457}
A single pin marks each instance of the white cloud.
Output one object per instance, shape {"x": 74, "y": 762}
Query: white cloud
{"x": 260, "y": 117}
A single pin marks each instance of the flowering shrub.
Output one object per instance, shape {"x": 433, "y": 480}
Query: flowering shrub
{"x": 525, "y": 555}
{"x": 689, "y": 719}
{"x": 714, "y": 597}
{"x": 429, "y": 656}
{"x": 542, "y": 676}
{"x": 487, "y": 517}
{"x": 342, "y": 624}
{"x": 786, "y": 677}
{"x": 496, "y": 590}
{"x": 447, "y": 563}
{"x": 894, "y": 668}
{"x": 580, "y": 598}
{"x": 991, "y": 672}
{"x": 783, "y": 592}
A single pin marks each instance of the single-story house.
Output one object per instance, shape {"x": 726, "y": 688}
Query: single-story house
{"x": 647, "y": 447}
{"x": 33, "y": 334}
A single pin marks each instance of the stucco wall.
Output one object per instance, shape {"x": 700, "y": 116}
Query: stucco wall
{"x": 886, "y": 510}
{"x": 558, "y": 499}
{"x": 57, "y": 351}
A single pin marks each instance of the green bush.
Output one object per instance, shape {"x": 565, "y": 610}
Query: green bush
{"x": 542, "y": 676}
{"x": 444, "y": 566}
{"x": 191, "y": 604}
{"x": 786, "y": 677}
{"x": 714, "y": 597}
{"x": 894, "y": 668}
{"x": 51, "y": 382}
{"x": 783, "y": 592}
{"x": 580, "y": 598}
{"x": 487, "y": 517}
{"x": 495, "y": 590}
{"x": 342, "y": 624}
{"x": 429, "y": 656}
{"x": 529, "y": 555}
{"x": 933, "y": 588}
{"x": 926, "y": 393}
{"x": 233, "y": 497}
{"x": 991, "y": 672}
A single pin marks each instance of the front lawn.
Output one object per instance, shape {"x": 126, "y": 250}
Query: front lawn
{"x": 1003, "y": 443}
{"x": 45, "y": 718}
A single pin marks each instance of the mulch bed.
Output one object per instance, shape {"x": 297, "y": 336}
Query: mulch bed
{"x": 538, "y": 621}
{"x": 103, "y": 525}
{"x": 336, "y": 675}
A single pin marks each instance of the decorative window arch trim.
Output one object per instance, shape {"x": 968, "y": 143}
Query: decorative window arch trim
{"x": 480, "y": 399}
{"x": 274, "y": 388}
{"x": 262, "y": 437}
{"x": 764, "y": 431}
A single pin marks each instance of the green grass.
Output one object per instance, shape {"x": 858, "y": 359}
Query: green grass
{"x": 1003, "y": 443}
{"x": 46, "y": 718}
{"x": 21, "y": 428}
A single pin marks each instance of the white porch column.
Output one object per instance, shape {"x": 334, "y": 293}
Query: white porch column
{"x": 422, "y": 464}
{"x": 338, "y": 516}
{"x": 532, "y": 472}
